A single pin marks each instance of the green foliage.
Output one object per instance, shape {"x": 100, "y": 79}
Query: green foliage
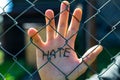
{"x": 1, "y": 57}
{"x": 10, "y": 77}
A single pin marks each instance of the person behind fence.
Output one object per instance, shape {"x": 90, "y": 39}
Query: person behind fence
{"x": 56, "y": 58}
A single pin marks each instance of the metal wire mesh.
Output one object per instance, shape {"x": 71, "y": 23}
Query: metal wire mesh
{"x": 100, "y": 25}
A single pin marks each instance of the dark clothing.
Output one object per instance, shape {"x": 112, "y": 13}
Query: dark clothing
{"x": 112, "y": 72}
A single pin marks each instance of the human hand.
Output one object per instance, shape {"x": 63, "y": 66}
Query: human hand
{"x": 57, "y": 52}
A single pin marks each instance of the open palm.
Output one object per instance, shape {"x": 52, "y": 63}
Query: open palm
{"x": 57, "y": 53}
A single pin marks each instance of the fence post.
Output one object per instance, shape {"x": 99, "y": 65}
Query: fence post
{"x": 91, "y": 28}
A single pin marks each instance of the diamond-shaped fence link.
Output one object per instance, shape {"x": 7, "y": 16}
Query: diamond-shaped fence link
{"x": 100, "y": 25}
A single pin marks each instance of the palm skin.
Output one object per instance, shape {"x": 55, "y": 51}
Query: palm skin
{"x": 65, "y": 61}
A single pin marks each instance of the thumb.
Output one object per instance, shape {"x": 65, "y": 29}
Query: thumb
{"x": 33, "y": 33}
{"x": 88, "y": 58}
{"x": 92, "y": 53}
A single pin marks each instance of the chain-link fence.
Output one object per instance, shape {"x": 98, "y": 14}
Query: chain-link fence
{"x": 100, "y": 25}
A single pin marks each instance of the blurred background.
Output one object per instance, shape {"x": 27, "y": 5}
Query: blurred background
{"x": 100, "y": 25}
